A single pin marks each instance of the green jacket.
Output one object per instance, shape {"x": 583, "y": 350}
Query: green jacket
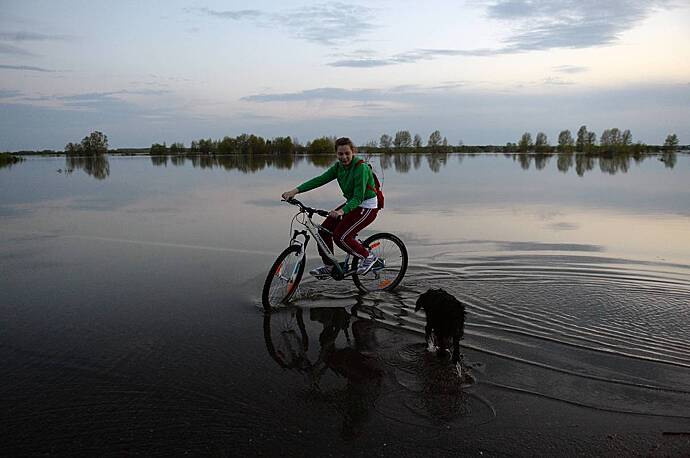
{"x": 356, "y": 181}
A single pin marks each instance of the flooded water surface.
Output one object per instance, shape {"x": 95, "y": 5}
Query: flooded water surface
{"x": 131, "y": 320}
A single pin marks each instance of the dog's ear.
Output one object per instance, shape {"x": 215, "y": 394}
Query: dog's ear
{"x": 418, "y": 304}
{"x": 421, "y": 301}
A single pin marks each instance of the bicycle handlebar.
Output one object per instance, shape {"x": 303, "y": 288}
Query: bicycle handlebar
{"x": 306, "y": 209}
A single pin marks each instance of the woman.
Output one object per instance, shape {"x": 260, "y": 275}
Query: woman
{"x": 356, "y": 180}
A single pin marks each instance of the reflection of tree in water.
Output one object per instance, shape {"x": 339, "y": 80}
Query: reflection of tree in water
{"x": 417, "y": 161}
{"x": 386, "y": 160}
{"x": 564, "y": 162}
{"x": 583, "y": 163}
{"x": 614, "y": 163}
{"x": 159, "y": 160}
{"x": 96, "y": 166}
{"x": 525, "y": 160}
{"x": 436, "y": 161}
{"x": 540, "y": 160}
{"x": 402, "y": 163}
{"x": 321, "y": 160}
{"x": 669, "y": 159}
{"x": 610, "y": 163}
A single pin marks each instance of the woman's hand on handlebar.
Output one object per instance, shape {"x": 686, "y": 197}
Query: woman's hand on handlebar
{"x": 337, "y": 213}
{"x": 287, "y": 195}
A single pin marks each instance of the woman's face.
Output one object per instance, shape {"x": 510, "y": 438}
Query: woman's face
{"x": 344, "y": 153}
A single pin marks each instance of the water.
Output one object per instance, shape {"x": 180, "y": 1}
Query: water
{"x": 131, "y": 322}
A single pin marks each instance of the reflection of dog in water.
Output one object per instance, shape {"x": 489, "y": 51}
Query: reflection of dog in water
{"x": 445, "y": 319}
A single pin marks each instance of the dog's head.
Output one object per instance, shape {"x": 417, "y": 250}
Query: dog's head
{"x": 445, "y": 315}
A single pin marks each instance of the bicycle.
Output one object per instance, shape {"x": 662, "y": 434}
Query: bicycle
{"x": 287, "y": 270}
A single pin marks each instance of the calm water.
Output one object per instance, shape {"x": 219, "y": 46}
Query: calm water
{"x": 130, "y": 318}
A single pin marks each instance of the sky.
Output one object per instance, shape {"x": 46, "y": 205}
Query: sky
{"x": 481, "y": 72}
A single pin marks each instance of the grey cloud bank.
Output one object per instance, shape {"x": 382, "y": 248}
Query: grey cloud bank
{"x": 538, "y": 25}
{"x": 476, "y": 117}
{"x": 321, "y": 23}
{"x": 29, "y": 68}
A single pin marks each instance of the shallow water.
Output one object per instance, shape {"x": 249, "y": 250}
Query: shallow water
{"x": 131, "y": 319}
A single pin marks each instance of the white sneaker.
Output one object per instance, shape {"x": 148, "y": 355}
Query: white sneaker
{"x": 365, "y": 266}
{"x": 321, "y": 272}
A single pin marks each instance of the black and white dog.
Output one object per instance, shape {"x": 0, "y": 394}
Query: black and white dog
{"x": 445, "y": 319}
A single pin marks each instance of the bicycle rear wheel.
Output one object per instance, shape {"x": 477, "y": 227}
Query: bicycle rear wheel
{"x": 284, "y": 277}
{"x": 389, "y": 270}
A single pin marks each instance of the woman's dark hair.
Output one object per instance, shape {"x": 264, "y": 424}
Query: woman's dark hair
{"x": 342, "y": 141}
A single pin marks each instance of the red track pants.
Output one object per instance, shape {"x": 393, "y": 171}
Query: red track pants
{"x": 345, "y": 231}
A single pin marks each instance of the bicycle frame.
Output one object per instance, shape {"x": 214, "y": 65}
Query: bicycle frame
{"x": 313, "y": 229}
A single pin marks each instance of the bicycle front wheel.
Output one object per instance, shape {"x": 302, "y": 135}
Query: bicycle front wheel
{"x": 284, "y": 277}
{"x": 390, "y": 268}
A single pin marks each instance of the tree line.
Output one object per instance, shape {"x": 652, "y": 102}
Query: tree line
{"x": 611, "y": 141}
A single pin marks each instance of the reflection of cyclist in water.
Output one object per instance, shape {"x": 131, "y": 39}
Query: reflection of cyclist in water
{"x": 363, "y": 373}
{"x": 356, "y": 180}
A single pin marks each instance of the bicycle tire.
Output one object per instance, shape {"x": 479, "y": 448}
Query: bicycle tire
{"x": 279, "y": 293}
{"x": 392, "y": 251}
{"x": 286, "y": 337}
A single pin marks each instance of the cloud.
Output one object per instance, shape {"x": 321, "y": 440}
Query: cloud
{"x": 9, "y": 93}
{"x": 325, "y": 93}
{"x": 538, "y": 25}
{"x": 325, "y": 23}
{"x": 322, "y": 23}
{"x": 547, "y": 24}
{"x": 32, "y": 36}
{"x": 6, "y": 48}
{"x": 25, "y": 67}
{"x": 14, "y": 50}
{"x": 409, "y": 57}
{"x": 556, "y": 81}
{"x": 570, "y": 69}
{"x": 235, "y": 15}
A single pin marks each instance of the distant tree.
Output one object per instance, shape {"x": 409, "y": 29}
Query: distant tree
{"x": 386, "y": 141}
{"x": 227, "y": 145}
{"x": 95, "y": 143}
{"x": 194, "y": 147}
{"x": 323, "y": 145}
{"x": 671, "y": 142}
{"x": 525, "y": 143}
{"x": 256, "y": 145}
{"x": 605, "y": 139}
{"x": 176, "y": 148}
{"x": 591, "y": 141}
{"x": 402, "y": 139}
{"x": 565, "y": 142}
{"x": 582, "y": 137}
{"x": 158, "y": 150}
{"x": 434, "y": 139}
{"x": 417, "y": 142}
{"x": 444, "y": 143}
{"x": 541, "y": 144}
{"x": 72, "y": 148}
{"x": 372, "y": 144}
{"x": 282, "y": 146}
{"x": 207, "y": 146}
{"x": 613, "y": 141}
